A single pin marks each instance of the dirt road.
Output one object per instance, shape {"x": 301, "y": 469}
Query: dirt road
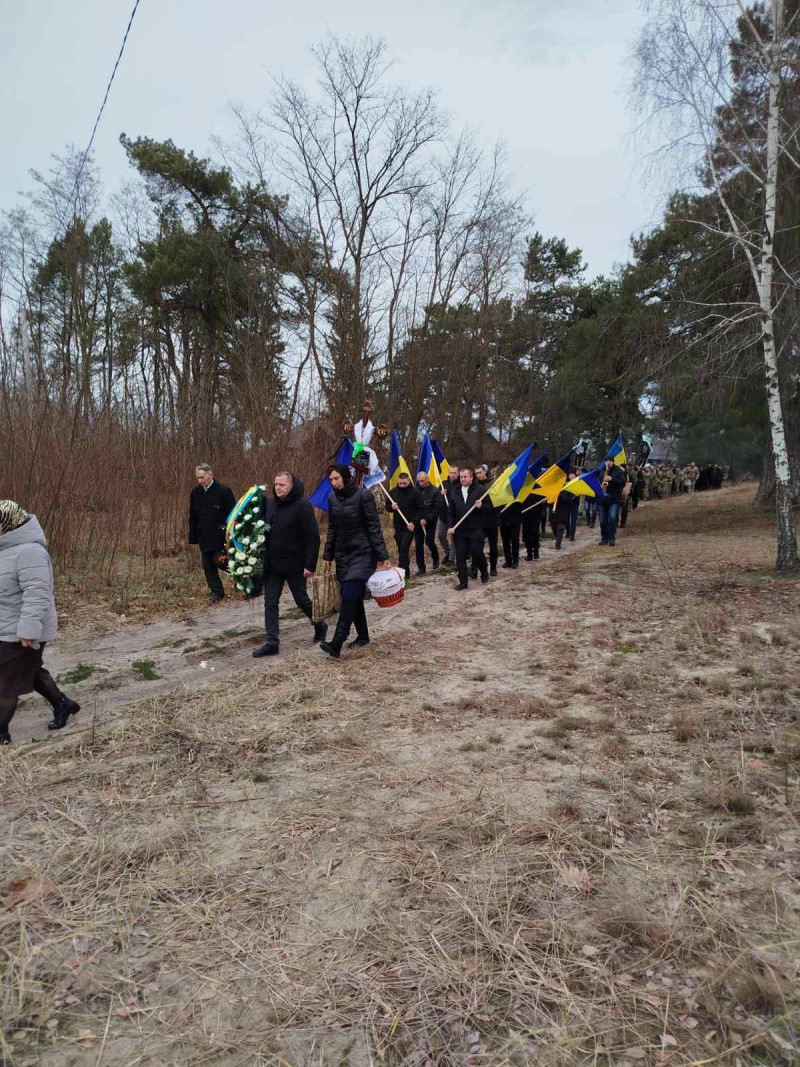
{"x": 190, "y": 652}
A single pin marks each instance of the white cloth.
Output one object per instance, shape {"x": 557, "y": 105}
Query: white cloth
{"x": 363, "y": 434}
{"x": 465, "y": 492}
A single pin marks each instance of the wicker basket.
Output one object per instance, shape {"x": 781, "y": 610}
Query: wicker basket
{"x": 387, "y": 587}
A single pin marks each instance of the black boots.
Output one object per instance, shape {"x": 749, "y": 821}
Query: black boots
{"x": 348, "y": 612}
{"x": 62, "y": 710}
{"x": 269, "y": 648}
{"x": 362, "y": 631}
{"x": 320, "y": 631}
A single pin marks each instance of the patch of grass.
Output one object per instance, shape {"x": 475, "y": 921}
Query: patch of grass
{"x": 146, "y": 669}
{"x": 480, "y": 676}
{"x": 79, "y": 673}
{"x": 172, "y": 644}
{"x": 243, "y": 632}
{"x": 615, "y": 747}
{"x": 564, "y": 724}
{"x": 472, "y": 746}
{"x": 682, "y": 646}
{"x": 293, "y": 613}
{"x": 495, "y": 739}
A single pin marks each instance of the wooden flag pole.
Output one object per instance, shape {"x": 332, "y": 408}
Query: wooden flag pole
{"x": 480, "y": 498}
{"x": 389, "y": 498}
{"x": 542, "y": 500}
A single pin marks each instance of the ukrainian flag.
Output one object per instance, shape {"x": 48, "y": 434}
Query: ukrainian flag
{"x": 441, "y": 462}
{"x": 397, "y": 465}
{"x": 534, "y": 471}
{"x": 511, "y": 481}
{"x": 427, "y": 462}
{"x": 319, "y": 498}
{"x": 587, "y": 485}
{"x": 617, "y": 452}
{"x": 554, "y": 478}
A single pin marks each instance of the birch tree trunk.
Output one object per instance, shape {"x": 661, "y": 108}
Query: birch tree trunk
{"x": 787, "y": 533}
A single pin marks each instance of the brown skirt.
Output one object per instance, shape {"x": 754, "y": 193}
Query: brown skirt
{"x": 18, "y": 668}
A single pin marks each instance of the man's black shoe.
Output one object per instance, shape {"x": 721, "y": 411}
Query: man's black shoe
{"x": 359, "y": 642}
{"x": 484, "y": 578}
{"x": 267, "y": 649}
{"x": 462, "y": 585}
{"x": 515, "y": 565}
{"x": 215, "y": 598}
{"x": 493, "y": 572}
{"x": 507, "y": 565}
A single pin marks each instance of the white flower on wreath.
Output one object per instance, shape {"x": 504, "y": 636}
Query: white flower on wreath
{"x": 252, "y": 560}
{"x": 239, "y": 585}
{"x": 260, "y": 523}
{"x": 247, "y": 570}
{"x": 241, "y": 555}
{"x": 260, "y": 540}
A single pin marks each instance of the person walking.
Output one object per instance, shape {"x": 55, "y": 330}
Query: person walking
{"x": 210, "y": 504}
{"x": 28, "y": 619}
{"x": 614, "y": 481}
{"x": 441, "y": 529}
{"x": 468, "y": 538}
{"x": 531, "y": 526}
{"x": 561, "y": 515}
{"x": 434, "y": 511}
{"x": 405, "y": 498}
{"x": 510, "y": 523}
{"x": 291, "y": 556}
{"x": 356, "y": 546}
{"x": 490, "y": 517}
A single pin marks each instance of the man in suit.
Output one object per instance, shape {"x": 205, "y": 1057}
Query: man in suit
{"x": 210, "y": 504}
{"x": 468, "y": 538}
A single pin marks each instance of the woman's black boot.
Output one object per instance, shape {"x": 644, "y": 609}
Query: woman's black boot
{"x": 62, "y": 710}
{"x": 362, "y": 630}
{"x": 343, "y": 623}
{"x": 7, "y": 709}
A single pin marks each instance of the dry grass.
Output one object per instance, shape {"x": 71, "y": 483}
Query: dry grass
{"x": 303, "y": 868}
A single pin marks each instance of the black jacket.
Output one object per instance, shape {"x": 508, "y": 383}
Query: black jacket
{"x": 459, "y": 507}
{"x": 409, "y": 501}
{"x": 616, "y": 484}
{"x": 513, "y": 513}
{"x": 293, "y": 539}
{"x": 208, "y": 512}
{"x": 434, "y": 505}
{"x": 355, "y": 539}
{"x": 562, "y": 509}
{"x": 490, "y": 513}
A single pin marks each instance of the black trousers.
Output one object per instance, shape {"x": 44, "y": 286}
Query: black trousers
{"x": 559, "y": 529}
{"x": 543, "y": 510}
{"x": 403, "y": 539}
{"x": 426, "y": 536}
{"x": 273, "y": 587}
{"x": 490, "y": 536}
{"x": 211, "y": 571}
{"x": 469, "y": 545}
{"x": 530, "y": 533}
{"x": 510, "y": 534}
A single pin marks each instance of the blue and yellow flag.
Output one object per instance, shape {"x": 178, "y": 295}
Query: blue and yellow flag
{"x": 427, "y": 462}
{"x": 441, "y": 462}
{"x": 397, "y": 465}
{"x": 240, "y": 508}
{"x": 587, "y": 485}
{"x": 617, "y": 452}
{"x": 319, "y": 498}
{"x": 534, "y": 470}
{"x": 505, "y": 489}
{"x": 550, "y": 484}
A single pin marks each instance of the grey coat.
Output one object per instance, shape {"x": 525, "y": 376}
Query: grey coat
{"x": 27, "y": 607}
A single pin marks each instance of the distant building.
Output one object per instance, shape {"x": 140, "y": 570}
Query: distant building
{"x": 465, "y": 449}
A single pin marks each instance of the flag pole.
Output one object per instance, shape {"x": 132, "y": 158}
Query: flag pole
{"x": 480, "y": 498}
{"x": 543, "y": 500}
{"x": 389, "y": 498}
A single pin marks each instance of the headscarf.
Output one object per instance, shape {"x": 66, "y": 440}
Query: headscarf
{"x": 343, "y": 469}
{"x": 11, "y": 516}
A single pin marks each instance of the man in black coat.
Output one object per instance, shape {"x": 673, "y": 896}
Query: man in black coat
{"x": 405, "y": 498}
{"x": 210, "y": 504}
{"x": 490, "y": 517}
{"x": 434, "y": 510}
{"x": 468, "y": 538}
{"x": 291, "y": 557}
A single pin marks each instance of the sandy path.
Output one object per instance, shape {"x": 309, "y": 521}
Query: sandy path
{"x": 192, "y": 652}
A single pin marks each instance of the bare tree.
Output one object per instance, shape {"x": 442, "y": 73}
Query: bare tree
{"x": 744, "y": 142}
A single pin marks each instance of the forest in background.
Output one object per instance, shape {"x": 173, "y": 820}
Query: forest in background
{"x": 353, "y": 242}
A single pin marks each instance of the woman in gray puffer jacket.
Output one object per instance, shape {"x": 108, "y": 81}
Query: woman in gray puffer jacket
{"x": 27, "y": 618}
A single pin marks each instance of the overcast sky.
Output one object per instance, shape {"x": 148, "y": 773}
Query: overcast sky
{"x": 544, "y": 76}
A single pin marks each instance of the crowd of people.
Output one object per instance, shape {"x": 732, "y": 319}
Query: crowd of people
{"x": 456, "y": 525}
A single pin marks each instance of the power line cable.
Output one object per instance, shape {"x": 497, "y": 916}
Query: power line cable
{"x": 103, "y": 105}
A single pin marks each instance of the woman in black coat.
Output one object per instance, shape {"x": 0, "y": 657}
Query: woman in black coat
{"x": 468, "y": 538}
{"x": 355, "y": 543}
